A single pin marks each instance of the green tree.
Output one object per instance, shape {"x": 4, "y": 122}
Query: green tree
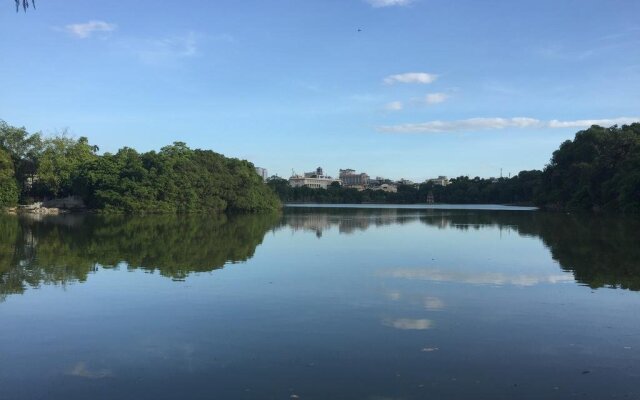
{"x": 598, "y": 170}
{"x": 60, "y": 164}
{"x": 175, "y": 179}
{"x": 25, "y": 150}
{"x": 8, "y": 186}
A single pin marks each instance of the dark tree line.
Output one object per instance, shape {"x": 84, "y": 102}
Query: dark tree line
{"x": 598, "y": 170}
{"x": 462, "y": 190}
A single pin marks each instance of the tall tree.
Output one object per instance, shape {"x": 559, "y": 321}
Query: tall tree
{"x": 24, "y": 149}
{"x": 8, "y": 187}
{"x": 60, "y": 164}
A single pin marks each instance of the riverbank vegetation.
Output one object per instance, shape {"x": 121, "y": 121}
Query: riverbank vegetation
{"x": 175, "y": 179}
{"x": 598, "y": 170}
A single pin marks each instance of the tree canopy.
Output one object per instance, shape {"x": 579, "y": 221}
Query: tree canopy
{"x": 598, "y": 170}
{"x": 175, "y": 179}
{"x": 8, "y": 186}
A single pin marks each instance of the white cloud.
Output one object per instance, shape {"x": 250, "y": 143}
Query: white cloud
{"x": 411, "y": 77}
{"x": 436, "y": 98}
{"x": 475, "y": 124}
{"x": 394, "y": 106}
{"x": 461, "y": 125}
{"x": 388, "y": 3}
{"x": 86, "y": 29}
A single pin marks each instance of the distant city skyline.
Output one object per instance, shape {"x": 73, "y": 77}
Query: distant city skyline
{"x": 408, "y": 89}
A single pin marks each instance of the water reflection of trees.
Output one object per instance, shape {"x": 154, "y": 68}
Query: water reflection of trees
{"x": 68, "y": 248}
{"x": 600, "y": 250}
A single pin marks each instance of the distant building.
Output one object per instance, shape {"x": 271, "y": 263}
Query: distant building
{"x": 379, "y": 181}
{"x": 318, "y": 172}
{"x": 314, "y": 180}
{"x": 439, "y": 181}
{"x": 406, "y": 182}
{"x": 263, "y": 173}
{"x": 350, "y": 178}
{"x": 387, "y": 187}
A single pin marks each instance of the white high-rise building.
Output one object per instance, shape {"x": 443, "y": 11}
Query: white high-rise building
{"x": 263, "y": 173}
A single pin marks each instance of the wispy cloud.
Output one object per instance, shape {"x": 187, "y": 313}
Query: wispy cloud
{"x": 394, "y": 106}
{"x": 85, "y": 30}
{"x": 475, "y": 124}
{"x": 411, "y": 77}
{"x": 631, "y": 31}
{"x": 436, "y": 98}
{"x": 388, "y": 3}
{"x": 560, "y": 52}
{"x": 172, "y": 48}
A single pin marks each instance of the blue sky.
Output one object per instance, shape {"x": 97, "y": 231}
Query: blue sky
{"x": 397, "y": 88}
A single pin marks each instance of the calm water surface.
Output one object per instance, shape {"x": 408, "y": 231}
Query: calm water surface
{"x": 321, "y": 303}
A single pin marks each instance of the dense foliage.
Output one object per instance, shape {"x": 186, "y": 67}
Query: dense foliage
{"x": 175, "y": 179}
{"x": 598, "y": 170}
{"x": 8, "y": 186}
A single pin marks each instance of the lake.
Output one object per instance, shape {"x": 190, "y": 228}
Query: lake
{"x": 376, "y": 303}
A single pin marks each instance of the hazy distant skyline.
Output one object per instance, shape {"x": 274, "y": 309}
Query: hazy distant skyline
{"x": 400, "y": 88}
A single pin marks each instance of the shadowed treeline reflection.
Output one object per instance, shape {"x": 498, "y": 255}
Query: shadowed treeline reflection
{"x": 62, "y": 249}
{"x": 600, "y": 250}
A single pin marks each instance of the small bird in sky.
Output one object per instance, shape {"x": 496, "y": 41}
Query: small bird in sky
{"x": 359, "y": 29}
